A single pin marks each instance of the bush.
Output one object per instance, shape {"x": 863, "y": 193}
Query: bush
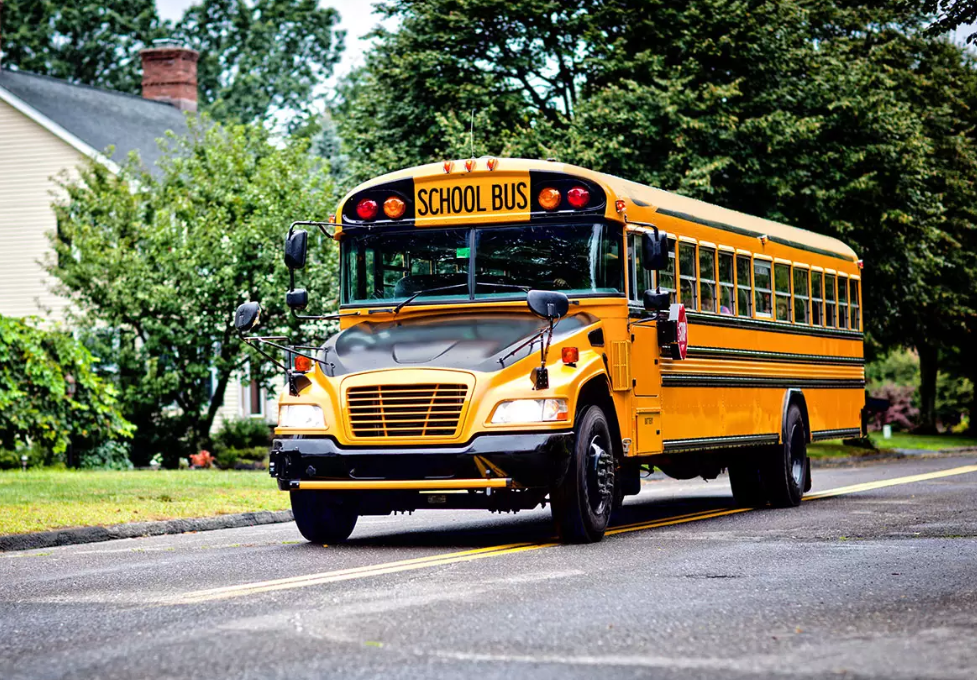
{"x": 237, "y": 459}
{"x": 242, "y": 433}
{"x": 902, "y": 414}
{"x": 110, "y": 455}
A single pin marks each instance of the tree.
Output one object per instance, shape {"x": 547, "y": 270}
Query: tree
{"x": 952, "y": 14}
{"x": 262, "y": 57}
{"x": 157, "y": 267}
{"x": 36, "y": 405}
{"x": 81, "y": 41}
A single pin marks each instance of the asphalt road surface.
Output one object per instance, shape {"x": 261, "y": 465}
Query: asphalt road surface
{"x": 876, "y": 578}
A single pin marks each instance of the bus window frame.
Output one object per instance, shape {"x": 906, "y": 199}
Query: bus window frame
{"x": 711, "y": 247}
{"x": 694, "y": 277}
{"x": 748, "y": 286}
{"x": 635, "y": 292}
{"x": 843, "y": 319}
{"x": 855, "y": 302}
{"x": 785, "y": 264}
{"x": 806, "y": 269}
{"x": 720, "y": 251}
{"x": 768, "y": 261}
{"x": 833, "y": 302}
{"x": 819, "y": 298}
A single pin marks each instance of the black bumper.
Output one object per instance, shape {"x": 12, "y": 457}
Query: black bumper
{"x": 532, "y": 460}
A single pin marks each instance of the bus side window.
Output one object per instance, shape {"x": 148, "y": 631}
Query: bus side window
{"x": 842, "y": 301}
{"x": 855, "y": 306}
{"x": 666, "y": 277}
{"x": 817, "y": 298}
{"x": 830, "y": 317}
{"x": 782, "y": 284}
{"x": 801, "y": 296}
{"x": 640, "y": 278}
{"x": 725, "y": 283}
{"x": 762, "y": 288}
{"x": 687, "y": 278}
{"x": 744, "y": 292}
{"x": 707, "y": 279}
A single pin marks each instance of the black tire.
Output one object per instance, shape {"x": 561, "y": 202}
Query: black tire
{"x": 745, "y": 481}
{"x": 784, "y": 469}
{"x": 583, "y": 501}
{"x": 324, "y": 517}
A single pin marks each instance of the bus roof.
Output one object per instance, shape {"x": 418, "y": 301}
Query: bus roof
{"x": 657, "y": 200}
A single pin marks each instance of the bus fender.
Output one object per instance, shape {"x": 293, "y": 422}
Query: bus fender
{"x": 794, "y": 395}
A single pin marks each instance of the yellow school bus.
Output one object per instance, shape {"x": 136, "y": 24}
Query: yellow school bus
{"x": 517, "y": 332}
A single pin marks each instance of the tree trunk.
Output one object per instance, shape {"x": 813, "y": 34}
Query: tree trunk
{"x": 928, "y": 366}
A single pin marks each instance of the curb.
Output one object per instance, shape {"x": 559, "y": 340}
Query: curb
{"x": 59, "y": 537}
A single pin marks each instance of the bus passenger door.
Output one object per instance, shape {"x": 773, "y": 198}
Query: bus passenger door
{"x": 646, "y": 371}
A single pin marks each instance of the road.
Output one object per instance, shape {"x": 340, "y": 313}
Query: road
{"x": 879, "y": 580}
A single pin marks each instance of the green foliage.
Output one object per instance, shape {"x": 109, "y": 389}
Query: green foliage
{"x": 109, "y": 455}
{"x": 899, "y": 367}
{"x": 157, "y": 266}
{"x": 240, "y": 458}
{"x": 35, "y": 406}
{"x": 262, "y": 56}
{"x": 243, "y": 433}
{"x": 82, "y": 41}
{"x": 951, "y": 14}
{"x": 842, "y": 118}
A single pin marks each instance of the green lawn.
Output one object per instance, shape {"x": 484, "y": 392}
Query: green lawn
{"x": 39, "y": 500}
{"x": 899, "y": 440}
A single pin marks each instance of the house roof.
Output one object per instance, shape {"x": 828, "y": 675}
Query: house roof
{"x": 98, "y": 118}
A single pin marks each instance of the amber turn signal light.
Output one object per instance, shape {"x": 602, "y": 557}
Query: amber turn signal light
{"x": 549, "y": 198}
{"x": 303, "y": 364}
{"x": 571, "y": 355}
{"x": 394, "y": 208}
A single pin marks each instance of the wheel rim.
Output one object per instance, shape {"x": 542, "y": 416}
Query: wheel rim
{"x": 797, "y": 455}
{"x": 600, "y": 474}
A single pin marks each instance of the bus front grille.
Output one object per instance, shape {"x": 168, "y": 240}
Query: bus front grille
{"x": 429, "y": 410}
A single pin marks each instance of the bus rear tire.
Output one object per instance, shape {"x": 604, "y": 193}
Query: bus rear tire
{"x": 583, "y": 501}
{"x": 323, "y": 517}
{"x": 745, "y": 481}
{"x": 785, "y": 469}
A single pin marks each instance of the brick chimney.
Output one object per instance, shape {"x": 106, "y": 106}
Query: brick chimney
{"x": 169, "y": 74}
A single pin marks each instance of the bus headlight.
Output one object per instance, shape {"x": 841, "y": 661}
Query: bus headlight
{"x": 304, "y": 416}
{"x": 530, "y": 411}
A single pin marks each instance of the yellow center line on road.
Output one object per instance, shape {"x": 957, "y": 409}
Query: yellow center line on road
{"x": 513, "y": 548}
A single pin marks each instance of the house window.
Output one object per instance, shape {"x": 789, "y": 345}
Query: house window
{"x": 763, "y": 289}
{"x": 744, "y": 293}
{"x": 725, "y": 283}
{"x": 687, "y": 277}
{"x": 255, "y": 399}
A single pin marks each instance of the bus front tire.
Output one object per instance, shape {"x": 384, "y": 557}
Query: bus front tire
{"x": 583, "y": 501}
{"x": 785, "y": 469}
{"x": 323, "y": 517}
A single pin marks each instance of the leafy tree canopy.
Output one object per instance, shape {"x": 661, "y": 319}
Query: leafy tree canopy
{"x": 36, "y": 368}
{"x": 157, "y": 267}
{"x": 952, "y": 14}
{"x": 81, "y": 41}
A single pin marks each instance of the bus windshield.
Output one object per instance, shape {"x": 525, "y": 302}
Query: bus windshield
{"x": 579, "y": 259}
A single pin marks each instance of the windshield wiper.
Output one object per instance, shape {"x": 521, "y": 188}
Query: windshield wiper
{"x": 425, "y": 292}
{"x": 524, "y": 289}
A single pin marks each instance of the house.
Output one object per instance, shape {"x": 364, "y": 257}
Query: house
{"x": 49, "y": 127}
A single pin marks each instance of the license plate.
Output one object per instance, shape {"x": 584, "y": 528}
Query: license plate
{"x": 472, "y": 199}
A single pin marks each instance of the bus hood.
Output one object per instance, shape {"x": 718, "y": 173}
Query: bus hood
{"x": 475, "y": 341}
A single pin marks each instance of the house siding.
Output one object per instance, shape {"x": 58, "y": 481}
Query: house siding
{"x": 30, "y": 158}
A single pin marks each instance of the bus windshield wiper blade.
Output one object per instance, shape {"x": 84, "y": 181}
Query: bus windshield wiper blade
{"x": 425, "y": 292}
{"x": 524, "y": 289}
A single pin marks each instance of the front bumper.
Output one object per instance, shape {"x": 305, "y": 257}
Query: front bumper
{"x": 529, "y": 459}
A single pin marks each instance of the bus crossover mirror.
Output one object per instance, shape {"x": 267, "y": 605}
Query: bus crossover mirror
{"x": 548, "y": 304}
{"x": 297, "y": 299}
{"x": 654, "y": 251}
{"x": 296, "y": 246}
{"x": 655, "y": 302}
{"x": 246, "y": 316}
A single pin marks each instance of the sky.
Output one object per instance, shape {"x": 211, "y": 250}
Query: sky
{"x": 356, "y": 18}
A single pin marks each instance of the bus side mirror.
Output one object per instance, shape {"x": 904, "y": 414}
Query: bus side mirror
{"x": 654, "y": 251}
{"x": 246, "y": 316}
{"x": 655, "y": 302}
{"x": 548, "y": 304}
{"x": 296, "y": 246}
{"x": 297, "y": 299}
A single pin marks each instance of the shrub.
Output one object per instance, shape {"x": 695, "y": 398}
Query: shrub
{"x": 204, "y": 459}
{"x": 110, "y": 455}
{"x": 249, "y": 458}
{"x": 902, "y": 414}
{"x": 242, "y": 433}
